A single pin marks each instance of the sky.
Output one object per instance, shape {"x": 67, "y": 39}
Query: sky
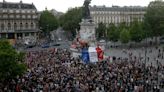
{"x": 64, "y": 5}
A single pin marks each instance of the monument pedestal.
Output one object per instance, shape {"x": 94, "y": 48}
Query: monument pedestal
{"x": 87, "y": 31}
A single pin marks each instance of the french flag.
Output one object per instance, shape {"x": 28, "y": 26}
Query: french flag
{"x": 92, "y": 54}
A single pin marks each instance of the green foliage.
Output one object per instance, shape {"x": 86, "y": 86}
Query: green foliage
{"x": 154, "y": 18}
{"x": 21, "y": 56}
{"x": 113, "y": 33}
{"x": 9, "y": 65}
{"x": 71, "y": 19}
{"x": 124, "y": 36}
{"x": 101, "y": 31}
{"x": 148, "y": 32}
{"x": 136, "y": 31}
{"x": 48, "y": 22}
{"x": 122, "y": 26}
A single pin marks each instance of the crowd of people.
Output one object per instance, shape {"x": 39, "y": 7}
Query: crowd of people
{"x": 55, "y": 70}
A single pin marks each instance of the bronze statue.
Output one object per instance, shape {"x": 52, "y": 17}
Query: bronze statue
{"x": 86, "y": 12}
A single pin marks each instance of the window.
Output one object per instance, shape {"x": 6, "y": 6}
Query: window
{"x": 23, "y": 11}
{"x": 92, "y": 13}
{"x": 21, "y": 25}
{"x": 28, "y": 16}
{"x": 28, "y": 11}
{"x": 17, "y": 16}
{"x": 17, "y": 11}
{"x": 11, "y": 16}
{"x": 33, "y": 16}
{"x": 9, "y": 26}
{"x": 2, "y": 26}
{"x": 4, "y": 16}
{"x": 26, "y": 25}
{"x": 32, "y": 25}
{"x": 33, "y": 11}
{"x": 26, "y": 34}
{"x": 11, "y": 11}
{"x": 4, "y": 11}
{"x": 23, "y": 16}
{"x": 15, "y": 26}
{"x": 32, "y": 34}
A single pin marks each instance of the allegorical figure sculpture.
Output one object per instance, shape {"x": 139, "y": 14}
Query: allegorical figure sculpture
{"x": 86, "y": 11}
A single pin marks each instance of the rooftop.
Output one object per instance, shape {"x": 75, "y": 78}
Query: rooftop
{"x": 19, "y": 5}
{"x": 117, "y": 8}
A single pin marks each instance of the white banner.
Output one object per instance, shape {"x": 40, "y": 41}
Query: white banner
{"x": 93, "y": 54}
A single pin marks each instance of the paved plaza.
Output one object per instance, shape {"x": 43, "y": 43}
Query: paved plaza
{"x": 153, "y": 54}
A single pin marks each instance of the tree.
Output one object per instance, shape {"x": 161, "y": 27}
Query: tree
{"x": 48, "y": 22}
{"x": 124, "y": 36}
{"x": 122, "y": 26}
{"x": 71, "y": 19}
{"x": 136, "y": 31}
{"x": 154, "y": 17}
{"x": 10, "y": 67}
{"x": 101, "y": 31}
{"x": 148, "y": 32}
{"x": 112, "y": 33}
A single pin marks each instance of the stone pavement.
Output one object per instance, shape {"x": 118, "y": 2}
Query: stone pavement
{"x": 151, "y": 54}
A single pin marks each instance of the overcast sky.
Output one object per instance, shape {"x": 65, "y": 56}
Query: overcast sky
{"x": 63, "y": 5}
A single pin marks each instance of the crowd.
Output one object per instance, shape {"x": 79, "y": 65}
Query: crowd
{"x": 55, "y": 70}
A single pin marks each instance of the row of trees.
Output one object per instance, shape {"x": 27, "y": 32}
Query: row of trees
{"x": 152, "y": 26}
{"x": 68, "y": 21}
{"x": 71, "y": 19}
{"x": 122, "y": 32}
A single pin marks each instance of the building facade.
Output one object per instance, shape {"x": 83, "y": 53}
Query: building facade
{"x": 18, "y": 20}
{"x": 116, "y": 14}
{"x": 56, "y": 13}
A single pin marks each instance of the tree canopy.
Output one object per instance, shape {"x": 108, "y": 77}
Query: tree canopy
{"x": 48, "y": 22}
{"x": 71, "y": 19}
{"x": 10, "y": 63}
{"x": 112, "y": 33}
{"x": 125, "y": 36}
{"x": 154, "y": 17}
{"x": 101, "y": 31}
{"x": 136, "y": 31}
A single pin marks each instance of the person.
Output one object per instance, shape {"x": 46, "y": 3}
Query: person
{"x": 50, "y": 72}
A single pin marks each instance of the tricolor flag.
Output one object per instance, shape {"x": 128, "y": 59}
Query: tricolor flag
{"x": 92, "y": 54}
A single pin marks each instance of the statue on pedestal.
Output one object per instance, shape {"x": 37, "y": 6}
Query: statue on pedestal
{"x": 86, "y": 11}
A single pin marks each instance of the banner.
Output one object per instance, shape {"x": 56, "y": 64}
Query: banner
{"x": 100, "y": 53}
{"x": 85, "y": 55}
{"x": 93, "y": 54}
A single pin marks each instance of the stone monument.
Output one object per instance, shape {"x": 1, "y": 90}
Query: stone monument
{"x": 87, "y": 26}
